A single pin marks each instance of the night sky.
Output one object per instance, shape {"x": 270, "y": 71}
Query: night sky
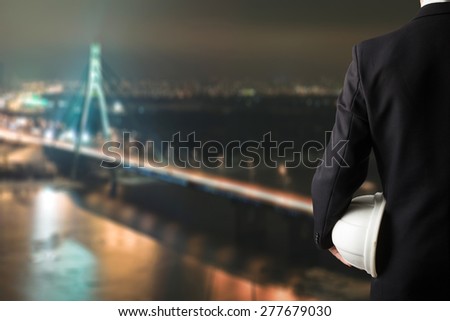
{"x": 309, "y": 40}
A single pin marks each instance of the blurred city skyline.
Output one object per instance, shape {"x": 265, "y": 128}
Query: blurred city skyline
{"x": 171, "y": 39}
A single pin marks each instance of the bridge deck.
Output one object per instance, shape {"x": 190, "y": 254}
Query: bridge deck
{"x": 212, "y": 183}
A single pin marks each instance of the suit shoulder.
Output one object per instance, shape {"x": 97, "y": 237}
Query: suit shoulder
{"x": 381, "y": 48}
{"x": 381, "y": 41}
{"x": 396, "y": 36}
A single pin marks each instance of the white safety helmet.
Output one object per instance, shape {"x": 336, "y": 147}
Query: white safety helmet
{"x": 355, "y": 234}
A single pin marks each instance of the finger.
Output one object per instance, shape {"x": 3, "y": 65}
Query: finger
{"x": 341, "y": 258}
{"x": 338, "y": 255}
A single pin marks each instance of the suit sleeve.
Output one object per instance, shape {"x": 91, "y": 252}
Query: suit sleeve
{"x": 345, "y": 162}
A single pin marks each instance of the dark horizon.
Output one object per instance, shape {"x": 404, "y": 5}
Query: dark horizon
{"x": 310, "y": 41}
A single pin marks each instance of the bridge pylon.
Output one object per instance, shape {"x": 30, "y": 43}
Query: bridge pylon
{"x": 94, "y": 89}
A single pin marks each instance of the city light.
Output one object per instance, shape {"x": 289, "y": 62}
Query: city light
{"x": 68, "y": 135}
{"x": 85, "y": 138}
{"x": 118, "y": 108}
{"x": 282, "y": 170}
{"x": 49, "y": 134}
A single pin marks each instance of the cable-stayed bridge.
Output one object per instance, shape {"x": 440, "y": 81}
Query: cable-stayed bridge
{"x": 76, "y": 135}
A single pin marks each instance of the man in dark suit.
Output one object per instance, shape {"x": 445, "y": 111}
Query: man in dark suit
{"x": 396, "y": 102}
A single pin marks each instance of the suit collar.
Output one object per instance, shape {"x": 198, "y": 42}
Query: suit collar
{"x": 434, "y": 9}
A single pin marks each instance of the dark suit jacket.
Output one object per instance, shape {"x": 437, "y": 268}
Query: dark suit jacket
{"x": 396, "y": 102}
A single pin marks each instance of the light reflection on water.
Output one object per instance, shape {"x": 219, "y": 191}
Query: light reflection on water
{"x": 48, "y": 214}
{"x": 58, "y": 250}
{"x": 61, "y": 267}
